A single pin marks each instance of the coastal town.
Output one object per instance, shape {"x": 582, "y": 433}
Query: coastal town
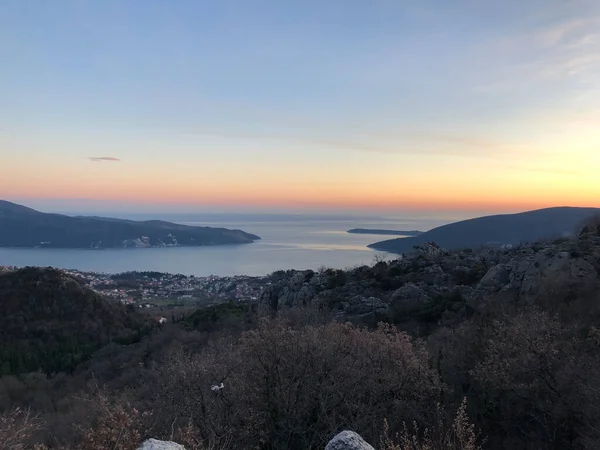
{"x": 155, "y": 289}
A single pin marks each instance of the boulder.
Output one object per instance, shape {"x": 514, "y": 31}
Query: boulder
{"x": 154, "y": 444}
{"x": 348, "y": 440}
{"x": 495, "y": 278}
{"x": 430, "y": 250}
{"x": 409, "y": 297}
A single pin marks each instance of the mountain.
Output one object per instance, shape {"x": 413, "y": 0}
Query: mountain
{"x": 25, "y": 227}
{"x": 49, "y": 321}
{"x": 496, "y": 230}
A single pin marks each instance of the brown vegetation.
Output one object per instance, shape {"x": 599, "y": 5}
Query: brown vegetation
{"x": 506, "y": 373}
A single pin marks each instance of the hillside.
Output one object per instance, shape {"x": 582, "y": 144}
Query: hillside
{"x": 505, "y": 340}
{"x": 24, "y": 227}
{"x": 497, "y": 230}
{"x": 49, "y": 321}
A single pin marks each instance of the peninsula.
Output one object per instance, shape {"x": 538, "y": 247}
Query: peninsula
{"x": 27, "y": 228}
{"x": 384, "y": 232}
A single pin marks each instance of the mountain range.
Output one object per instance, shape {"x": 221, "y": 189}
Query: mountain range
{"x": 25, "y": 227}
{"x": 497, "y": 230}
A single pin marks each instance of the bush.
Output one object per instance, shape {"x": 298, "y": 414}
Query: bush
{"x": 293, "y": 388}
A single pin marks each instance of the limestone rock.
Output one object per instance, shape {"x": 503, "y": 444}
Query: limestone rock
{"x": 409, "y": 297}
{"x": 359, "y": 305}
{"x": 429, "y": 250}
{"x": 348, "y": 440}
{"x": 154, "y": 444}
{"x": 495, "y": 278}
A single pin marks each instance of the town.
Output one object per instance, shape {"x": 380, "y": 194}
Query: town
{"x": 155, "y": 289}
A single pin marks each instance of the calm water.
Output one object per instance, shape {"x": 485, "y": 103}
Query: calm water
{"x": 286, "y": 244}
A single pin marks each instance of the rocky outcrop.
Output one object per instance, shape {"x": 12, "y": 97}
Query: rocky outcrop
{"x": 359, "y": 305}
{"x": 537, "y": 273}
{"x": 153, "y": 444}
{"x": 430, "y": 279}
{"x": 348, "y": 440}
{"x": 409, "y": 297}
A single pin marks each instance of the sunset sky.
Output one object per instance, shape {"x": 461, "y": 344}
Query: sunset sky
{"x": 329, "y": 105}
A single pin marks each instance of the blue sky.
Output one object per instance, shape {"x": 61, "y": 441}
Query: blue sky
{"x": 346, "y": 104}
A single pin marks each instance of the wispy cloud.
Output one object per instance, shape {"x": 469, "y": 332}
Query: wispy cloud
{"x": 545, "y": 170}
{"x": 103, "y": 159}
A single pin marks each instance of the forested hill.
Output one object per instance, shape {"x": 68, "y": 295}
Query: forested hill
{"x": 24, "y": 227}
{"x": 49, "y": 321}
{"x": 497, "y": 230}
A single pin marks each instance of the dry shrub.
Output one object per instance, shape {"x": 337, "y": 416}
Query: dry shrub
{"x": 17, "y": 427}
{"x": 116, "y": 425}
{"x": 293, "y": 388}
{"x": 461, "y": 435}
{"x": 533, "y": 381}
{"x": 189, "y": 437}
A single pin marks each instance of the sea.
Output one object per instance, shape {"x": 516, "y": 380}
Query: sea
{"x": 287, "y": 242}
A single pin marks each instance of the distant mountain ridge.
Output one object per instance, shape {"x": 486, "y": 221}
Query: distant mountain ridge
{"x": 21, "y": 226}
{"x": 502, "y": 229}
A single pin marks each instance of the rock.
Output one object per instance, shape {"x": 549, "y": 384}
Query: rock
{"x": 154, "y": 444}
{"x": 558, "y": 276}
{"x": 495, "y": 278}
{"x": 435, "y": 274}
{"x": 430, "y": 250}
{"x": 348, "y": 440}
{"x": 359, "y": 305}
{"x": 409, "y": 297}
{"x": 534, "y": 274}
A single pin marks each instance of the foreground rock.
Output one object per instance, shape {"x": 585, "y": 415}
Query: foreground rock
{"x": 153, "y": 444}
{"x": 348, "y": 440}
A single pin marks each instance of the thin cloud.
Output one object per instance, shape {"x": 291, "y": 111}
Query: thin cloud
{"x": 103, "y": 159}
{"x": 545, "y": 170}
{"x": 398, "y": 142}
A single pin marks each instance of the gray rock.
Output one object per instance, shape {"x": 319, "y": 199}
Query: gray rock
{"x": 409, "y": 297}
{"x": 558, "y": 275}
{"x": 495, "y": 278}
{"x": 348, "y": 440}
{"x": 430, "y": 250}
{"x": 359, "y": 305}
{"x": 153, "y": 444}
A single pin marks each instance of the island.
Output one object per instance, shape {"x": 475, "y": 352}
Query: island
{"x": 385, "y": 232}
{"x": 27, "y": 228}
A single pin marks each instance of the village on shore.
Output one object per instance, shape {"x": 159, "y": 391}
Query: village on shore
{"x": 156, "y": 289}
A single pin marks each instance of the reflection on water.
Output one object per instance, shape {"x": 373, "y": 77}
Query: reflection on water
{"x": 297, "y": 244}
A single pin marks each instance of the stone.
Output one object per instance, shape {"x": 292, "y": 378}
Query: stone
{"x": 154, "y": 444}
{"x": 409, "y": 297}
{"x": 348, "y": 440}
{"x": 359, "y": 305}
{"x": 429, "y": 250}
{"x": 495, "y": 278}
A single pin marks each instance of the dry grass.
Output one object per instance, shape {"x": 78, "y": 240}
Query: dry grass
{"x": 16, "y": 428}
{"x": 461, "y": 435}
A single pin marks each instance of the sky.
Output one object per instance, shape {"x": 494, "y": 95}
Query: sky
{"x": 353, "y": 105}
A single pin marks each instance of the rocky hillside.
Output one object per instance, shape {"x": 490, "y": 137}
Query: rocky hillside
{"x": 430, "y": 282}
